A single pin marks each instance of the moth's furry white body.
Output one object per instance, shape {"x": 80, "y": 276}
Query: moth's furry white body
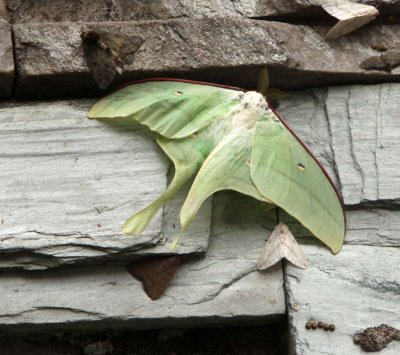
{"x": 281, "y": 244}
{"x": 252, "y": 107}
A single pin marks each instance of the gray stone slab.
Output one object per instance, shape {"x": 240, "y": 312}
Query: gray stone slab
{"x": 68, "y": 184}
{"x": 229, "y": 50}
{"x": 29, "y": 11}
{"x": 6, "y": 58}
{"x": 374, "y": 227}
{"x": 354, "y": 130}
{"x": 356, "y": 289}
{"x": 222, "y": 288}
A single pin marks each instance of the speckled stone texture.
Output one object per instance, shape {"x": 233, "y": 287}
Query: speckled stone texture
{"x": 23, "y": 11}
{"x": 6, "y": 56}
{"x": 231, "y": 50}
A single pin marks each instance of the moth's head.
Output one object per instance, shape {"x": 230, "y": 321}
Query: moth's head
{"x": 254, "y": 100}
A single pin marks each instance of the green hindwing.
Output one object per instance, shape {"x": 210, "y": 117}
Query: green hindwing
{"x": 288, "y": 175}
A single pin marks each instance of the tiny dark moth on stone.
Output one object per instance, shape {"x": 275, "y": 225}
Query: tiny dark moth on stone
{"x": 155, "y": 273}
{"x": 102, "y": 56}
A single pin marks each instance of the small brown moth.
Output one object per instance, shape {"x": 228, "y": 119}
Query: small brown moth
{"x": 281, "y": 244}
{"x": 155, "y": 273}
{"x": 103, "y": 61}
{"x": 351, "y": 16}
{"x": 107, "y": 52}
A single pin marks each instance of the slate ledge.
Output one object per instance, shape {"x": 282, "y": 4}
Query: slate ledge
{"x": 50, "y": 61}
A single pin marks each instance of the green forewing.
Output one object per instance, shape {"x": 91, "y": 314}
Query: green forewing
{"x": 285, "y": 173}
{"x": 171, "y": 108}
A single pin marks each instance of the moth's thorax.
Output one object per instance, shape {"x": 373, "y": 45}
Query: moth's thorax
{"x": 252, "y": 106}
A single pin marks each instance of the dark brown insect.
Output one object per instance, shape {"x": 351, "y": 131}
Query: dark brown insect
{"x": 90, "y": 37}
{"x": 380, "y": 47}
{"x": 155, "y": 273}
{"x": 314, "y": 325}
{"x": 332, "y": 327}
{"x": 326, "y": 327}
{"x": 321, "y": 324}
{"x": 308, "y": 325}
{"x": 103, "y": 60}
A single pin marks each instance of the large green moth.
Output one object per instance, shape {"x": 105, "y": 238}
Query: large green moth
{"x": 229, "y": 139}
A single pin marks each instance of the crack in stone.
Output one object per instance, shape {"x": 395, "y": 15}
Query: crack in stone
{"x": 291, "y": 276}
{"x": 356, "y": 164}
{"x": 332, "y": 160}
{"x": 205, "y": 267}
{"x": 61, "y": 234}
{"x": 378, "y": 130}
{"x": 389, "y": 204}
{"x": 383, "y": 286}
{"x": 175, "y": 33}
{"x": 54, "y": 308}
{"x": 224, "y": 286}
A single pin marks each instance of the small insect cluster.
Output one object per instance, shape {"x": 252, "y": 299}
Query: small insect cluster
{"x": 313, "y": 324}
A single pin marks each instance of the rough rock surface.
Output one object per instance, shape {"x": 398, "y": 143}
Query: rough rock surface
{"x": 354, "y": 130}
{"x": 68, "y": 183}
{"x": 6, "y": 58}
{"x": 356, "y": 289}
{"x": 50, "y": 61}
{"x": 123, "y": 10}
{"x": 222, "y": 288}
{"x": 24, "y": 11}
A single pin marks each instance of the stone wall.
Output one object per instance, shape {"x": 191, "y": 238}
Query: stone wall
{"x": 66, "y": 181}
